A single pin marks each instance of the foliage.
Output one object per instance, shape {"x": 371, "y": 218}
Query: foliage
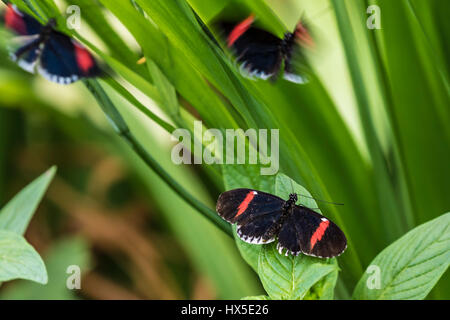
{"x": 18, "y": 259}
{"x": 368, "y": 130}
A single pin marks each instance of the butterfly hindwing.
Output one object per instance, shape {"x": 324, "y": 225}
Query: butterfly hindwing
{"x": 259, "y": 229}
{"x": 312, "y": 234}
{"x": 64, "y": 61}
{"x": 292, "y": 69}
{"x": 25, "y": 51}
{"x": 296, "y": 61}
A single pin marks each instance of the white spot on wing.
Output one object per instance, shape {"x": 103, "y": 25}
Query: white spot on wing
{"x": 56, "y": 78}
{"x": 25, "y": 65}
{"x": 252, "y": 240}
{"x": 247, "y": 72}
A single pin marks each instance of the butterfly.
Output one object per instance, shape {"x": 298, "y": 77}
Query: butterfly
{"x": 261, "y": 54}
{"x": 263, "y": 218}
{"x": 53, "y": 54}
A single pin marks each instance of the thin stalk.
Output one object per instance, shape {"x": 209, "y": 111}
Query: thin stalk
{"x": 123, "y": 130}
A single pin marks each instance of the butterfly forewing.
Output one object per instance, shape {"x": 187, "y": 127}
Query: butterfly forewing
{"x": 237, "y": 205}
{"x": 256, "y": 213}
{"x": 20, "y": 22}
{"x": 256, "y": 50}
{"x": 312, "y": 234}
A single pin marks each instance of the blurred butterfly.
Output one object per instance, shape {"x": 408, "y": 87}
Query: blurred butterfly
{"x": 261, "y": 54}
{"x": 55, "y": 55}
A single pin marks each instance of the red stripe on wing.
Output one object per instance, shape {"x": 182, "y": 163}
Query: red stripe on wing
{"x": 240, "y": 29}
{"x": 14, "y": 21}
{"x": 85, "y": 61}
{"x": 318, "y": 234}
{"x": 244, "y": 204}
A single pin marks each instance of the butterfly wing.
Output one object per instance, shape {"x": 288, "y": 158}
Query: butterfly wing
{"x": 20, "y": 22}
{"x": 28, "y": 53}
{"x": 293, "y": 71}
{"x": 256, "y": 50}
{"x": 64, "y": 61}
{"x": 25, "y": 47}
{"x": 312, "y": 234}
{"x": 256, "y": 213}
{"x": 295, "y": 63}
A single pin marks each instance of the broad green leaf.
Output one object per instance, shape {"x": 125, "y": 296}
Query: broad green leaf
{"x": 65, "y": 253}
{"x": 324, "y": 289}
{"x": 290, "y": 278}
{"x": 411, "y": 266}
{"x": 19, "y": 260}
{"x": 16, "y": 215}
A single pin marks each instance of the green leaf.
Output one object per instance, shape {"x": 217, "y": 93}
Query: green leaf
{"x": 412, "y": 265}
{"x": 324, "y": 289}
{"x": 290, "y": 278}
{"x": 284, "y": 186}
{"x": 167, "y": 91}
{"x": 16, "y": 215}
{"x": 68, "y": 252}
{"x": 19, "y": 260}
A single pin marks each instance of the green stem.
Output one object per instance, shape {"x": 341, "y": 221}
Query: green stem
{"x": 123, "y": 130}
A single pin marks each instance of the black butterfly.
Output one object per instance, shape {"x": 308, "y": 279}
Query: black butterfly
{"x": 262, "y": 218}
{"x": 260, "y": 53}
{"x": 56, "y": 56}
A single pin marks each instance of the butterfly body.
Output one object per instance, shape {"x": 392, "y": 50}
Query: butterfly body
{"x": 263, "y": 218}
{"x": 53, "y": 54}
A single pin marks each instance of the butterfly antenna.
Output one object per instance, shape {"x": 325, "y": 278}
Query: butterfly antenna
{"x": 334, "y": 203}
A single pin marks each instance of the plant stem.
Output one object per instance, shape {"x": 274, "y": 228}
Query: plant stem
{"x": 123, "y": 130}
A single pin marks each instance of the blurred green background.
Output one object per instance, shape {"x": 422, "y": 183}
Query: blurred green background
{"x": 369, "y": 130}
